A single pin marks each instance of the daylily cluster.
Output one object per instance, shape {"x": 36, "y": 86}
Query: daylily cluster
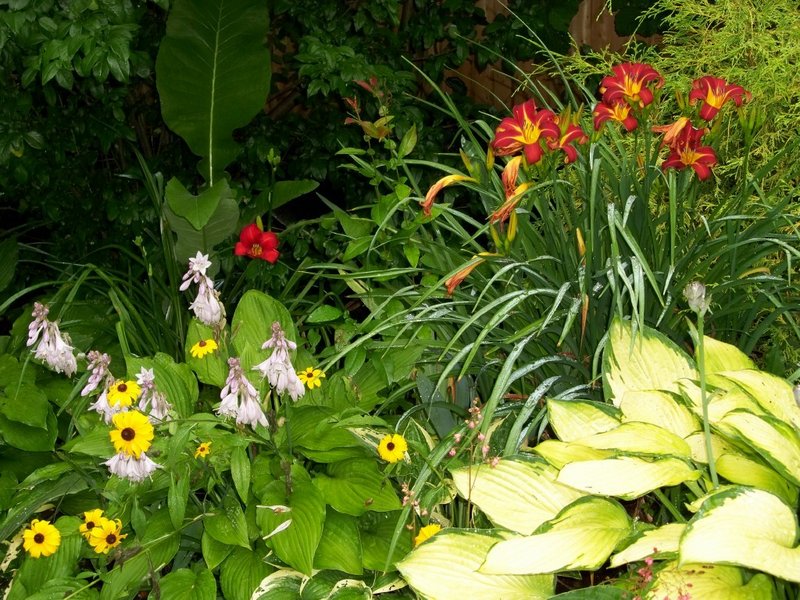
{"x": 625, "y": 92}
{"x": 207, "y": 306}
{"x": 102, "y": 534}
{"x": 54, "y": 348}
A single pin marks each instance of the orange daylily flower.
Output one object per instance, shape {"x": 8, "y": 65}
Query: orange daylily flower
{"x": 437, "y": 187}
{"x": 454, "y": 280}
{"x": 571, "y": 134}
{"x": 630, "y": 82}
{"x": 525, "y": 131}
{"x": 618, "y": 111}
{"x": 672, "y": 132}
{"x": 714, "y": 92}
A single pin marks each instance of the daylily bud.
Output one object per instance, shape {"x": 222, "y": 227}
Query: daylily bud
{"x": 695, "y": 294}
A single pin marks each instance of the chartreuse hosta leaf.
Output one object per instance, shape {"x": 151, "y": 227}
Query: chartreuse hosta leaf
{"x": 641, "y": 438}
{"x": 772, "y": 393}
{"x": 626, "y": 477}
{"x": 573, "y": 419}
{"x": 744, "y": 471}
{"x": 709, "y": 581}
{"x": 773, "y": 439}
{"x": 653, "y": 542}
{"x": 559, "y": 453}
{"x": 659, "y": 408}
{"x": 719, "y": 446}
{"x": 582, "y": 536}
{"x": 448, "y": 567}
{"x": 720, "y": 402}
{"x": 746, "y": 527}
{"x": 640, "y": 361}
{"x": 516, "y": 494}
{"x": 723, "y": 357}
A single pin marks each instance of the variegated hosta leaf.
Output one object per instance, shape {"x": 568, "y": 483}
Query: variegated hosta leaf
{"x": 719, "y": 446}
{"x": 582, "y": 537}
{"x": 773, "y": 439}
{"x": 723, "y": 357}
{"x": 709, "y": 581}
{"x": 573, "y": 419}
{"x": 446, "y": 568}
{"x": 772, "y": 393}
{"x": 280, "y": 584}
{"x": 516, "y": 494}
{"x": 744, "y": 471}
{"x": 559, "y": 453}
{"x": 720, "y": 402}
{"x": 640, "y": 361}
{"x": 747, "y": 527}
{"x": 653, "y": 542}
{"x": 659, "y": 408}
{"x": 626, "y": 477}
{"x": 642, "y": 438}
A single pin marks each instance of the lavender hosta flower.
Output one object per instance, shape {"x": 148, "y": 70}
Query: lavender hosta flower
{"x": 207, "y": 307}
{"x": 98, "y": 365}
{"x": 695, "y": 294}
{"x": 53, "y": 348}
{"x": 152, "y": 402}
{"x": 240, "y": 398}
{"x": 39, "y": 314}
{"x": 197, "y": 271}
{"x": 102, "y": 406}
{"x": 277, "y": 368}
{"x": 129, "y": 467}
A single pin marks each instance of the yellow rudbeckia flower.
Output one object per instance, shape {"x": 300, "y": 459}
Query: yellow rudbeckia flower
{"x": 203, "y": 347}
{"x": 392, "y": 448}
{"x": 123, "y": 393}
{"x": 133, "y": 433}
{"x": 41, "y": 539}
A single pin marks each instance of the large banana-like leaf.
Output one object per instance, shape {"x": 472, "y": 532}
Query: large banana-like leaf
{"x": 709, "y": 581}
{"x": 582, "y": 537}
{"x": 573, "y": 419}
{"x": 213, "y": 74}
{"x": 772, "y": 393}
{"x": 659, "y": 408}
{"x": 516, "y": 494}
{"x": 746, "y": 527}
{"x": 446, "y": 567}
{"x": 641, "y": 438}
{"x": 653, "y": 542}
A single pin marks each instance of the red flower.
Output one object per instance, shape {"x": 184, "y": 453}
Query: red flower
{"x": 257, "y": 244}
{"x": 525, "y": 131}
{"x": 569, "y": 134}
{"x": 630, "y": 83}
{"x": 686, "y": 151}
{"x": 618, "y": 111}
{"x": 714, "y": 92}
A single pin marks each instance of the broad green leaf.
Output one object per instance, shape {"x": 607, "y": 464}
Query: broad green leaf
{"x": 377, "y": 530}
{"x": 25, "y": 403}
{"x": 56, "y": 589}
{"x": 775, "y": 441}
{"x": 286, "y": 191}
{"x": 219, "y": 227}
{"x": 211, "y": 368}
{"x": 323, "y": 314}
{"x": 241, "y": 573}
{"x": 516, "y": 494}
{"x": 653, "y": 542}
{"x": 340, "y": 546}
{"x": 723, "y": 357}
{"x": 659, "y": 408}
{"x": 449, "y": 564}
{"x": 94, "y": 443}
{"x": 227, "y": 524}
{"x": 280, "y": 585}
{"x": 185, "y": 584}
{"x": 641, "y": 361}
{"x": 559, "y": 453}
{"x": 640, "y": 438}
{"x": 626, "y": 477}
{"x": 582, "y": 536}
{"x": 196, "y": 209}
{"x": 747, "y": 527}
{"x": 31, "y": 439}
{"x": 720, "y": 403}
{"x": 178, "y": 497}
{"x": 240, "y": 472}
{"x": 356, "y": 247}
{"x": 296, "y": 543}
{"x": 744, "y": 471}
{"x": 63, "y": 563}
{"x": 595, "y": 592}
{"x": 408, "y": 142}
{"x": 314, "y": 428}
{"x": 350, "y": 589}
{"x": 356, "y": 486}
{"x": 213, "y": 75}
{"x": 252, "y": 324}
{"x": 710, "y": 581}
{"x": 214, "y": 552}
{"x": 772, "y": 393}
{"x": 574, "y": 419}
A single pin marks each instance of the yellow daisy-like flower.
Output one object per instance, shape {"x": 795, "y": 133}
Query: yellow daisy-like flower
{"x": 91, "y": 519}
{"x": 133, "y": 433}
{"x": 41, "y": 539}
{"x": 426, "y": 532}
{"x": 203, "y": 347}
{"x": 311, "y": 377}
{"x": 203, "y": 450}
{"x": 107, "y": 535}
{"x": 392, "y": 448}
{"x": 123, "y": 393}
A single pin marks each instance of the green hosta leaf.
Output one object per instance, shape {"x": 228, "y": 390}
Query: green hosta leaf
{"x": 710, "y": 581}
{"x": 31, "y": 439}
{"x": 377, "y": 530}
{"x": 314, "y": 428}
{"x": 595, "y": 592}
{"x": 626, "y": 477}
{"x": 559, "y": 453}
{"x": 185, "y": 584}
{"x": 240, "y": 472}
{"x": 94, "y": 443}
{"x": 449, "y": 564}
{"x": 296, "y": 543}
{"x": 723, "y": 357}
{"x": 213, "y": 74}
{"x": 719, "y": 446}
{"x": 24, "y": 403}
{"x": 574, "y": 419}
{"x": 178, "y": 497}
{"x": 646, "y": 360}
{"x": 241, "y": 573}
{"x": 641, "y": 438}
{"x": 57, "y": 589}
{"x": 175, "y": 380}
{"x": 63, "y": 563}
{"x": 740, "y": 469}
{"x": 582, "y": 537}
{"x": 356, "y": 486}
{"x": 516, "y": 494}
{"x": 720, "y": 403}
{"x": 211, "y": 368}
{"x": 324, "y": 314}
{"x": 252, "y": 324}
{"x": 196, "y": 209}
{"x": 227, "y": 524}
{"x": 214, "y": 552}
{"x": 350, "y": 589}
{"x": 659, "y": 408}
{"x": 746, "y": 527}
{"x": 653, "y": 542}
{"x": 340, "y": 546}
{"x": 772, "y": 393}
{"x": 280, "y": 585}
{"x": 774, "y": 440}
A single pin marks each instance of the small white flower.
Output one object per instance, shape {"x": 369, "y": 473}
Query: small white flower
{"x": 695, "y": 294}
{"x": 53, "y": 348}
{"x": 39, "y": 314}
{"x": 197, "y": 270}
{"x": 152, "y": 402}
{"x": 102, "y": 406}
{"x": 250, "y": 413}
{"x": 98, "y": 365}
{"x": 240, "y": 398}
{"x": 207, "y": 307}
{"x": 278, "y": 368}
{"x": 130, "y": 467}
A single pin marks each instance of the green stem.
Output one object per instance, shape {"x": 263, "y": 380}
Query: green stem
{"x": 701, "y": 365}
{"x": 667, "y": 503}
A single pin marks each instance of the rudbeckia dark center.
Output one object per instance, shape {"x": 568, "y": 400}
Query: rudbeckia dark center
{"x": 127, "y": 434}
{"x": 122, "y": 387}
{"x": 89, "y": 524}
{"x": 390, "y": 446}
{"x": 201, "y": 343}
{"x": 111, "y": 538}
{"x": 38, "y": 538}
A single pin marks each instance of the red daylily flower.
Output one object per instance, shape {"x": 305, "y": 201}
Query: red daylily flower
{"x": 686, "y": 151}
{"x": 570, "y": 135}
{"x": 618, "y": 111}
{"x": 714, "y": 92}
{"x": 630, "y": 83}
{"x": 257, "y": 244}
{"x": 525, "y": 131}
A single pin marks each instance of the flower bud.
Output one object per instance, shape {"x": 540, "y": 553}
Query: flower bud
{"x": 695, "y": 294}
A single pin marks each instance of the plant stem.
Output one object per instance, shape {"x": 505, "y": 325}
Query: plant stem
{"x": 667, "y": 503}
{"x": 701, "y": 365}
